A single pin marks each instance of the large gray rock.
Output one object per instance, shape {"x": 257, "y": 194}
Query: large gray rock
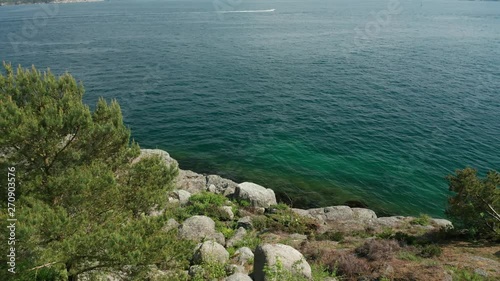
{"x": 364, "y": 214}
{"x": 219, "y": 185}
{"x": 157, "y": 152}
{"x": 257, "y": 195}
{"x": 210, "y": 251}
{"x": 338, "y": 213}
{"x": 442, "y": 223}
{"x": 171, "y": 224}
{"x": 228, "y": 211}
{"x": 238, "y": 277}
{"x": 237, "y": 237}
{"x": 332, "y": 214}
{"x": 191, "y": 181}
{"x": 198, "y": 228}
{"x": 301, "y": 212}
{"x": 317, "y": 213}
{"x": 292, "y": 260}
{"x": 243, "y": 255}
{"x": 393, "y": 221}
{"x": 182, "y": 196}
{"x": 245, "y": 222}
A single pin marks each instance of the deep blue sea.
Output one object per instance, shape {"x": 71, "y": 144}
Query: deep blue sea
{"x": 324, "y": 101}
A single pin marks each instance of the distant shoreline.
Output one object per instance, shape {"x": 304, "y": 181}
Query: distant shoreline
{"x": 51, "y": 2}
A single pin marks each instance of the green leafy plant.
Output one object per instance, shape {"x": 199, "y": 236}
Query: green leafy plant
{"x": 85, "y": 195}
{"x": 210, "y": 271}
{"x": 476, "y": 203}
{"x": 423, "y": 219}
{"x": 331, "y": 235}
{"x": 207, "y": 204}
{"x": 429, "y": 251}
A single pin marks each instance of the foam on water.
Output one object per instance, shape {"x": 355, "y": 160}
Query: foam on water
{"x": 249, "y": 11}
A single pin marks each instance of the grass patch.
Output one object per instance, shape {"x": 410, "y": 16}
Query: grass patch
{"x": 462, "y": 274}
{"x": 250, "y": 240}
{"x": 284, "y": 219}
{"x": 408, "y": 256}
{"x": 331, "y": 236}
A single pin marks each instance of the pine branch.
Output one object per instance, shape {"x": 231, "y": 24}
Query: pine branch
{"x": 44, "y": 265}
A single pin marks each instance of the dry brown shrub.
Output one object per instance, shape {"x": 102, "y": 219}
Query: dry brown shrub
{"x": 350, "y": 266}
{"x": 378, "y": 249}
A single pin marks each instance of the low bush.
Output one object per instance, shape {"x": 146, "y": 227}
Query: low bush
{"x": 423, "y": 219}
{"x": 210, "y": 271}
{"x": 251, "y": 240}
{"x": 277, "y": 272}
{"x": 207, "y": 204}
{"x": 378, "y": 249}
{"x": 330, "y": 235}
{"x": 387, "y": 233}
{"x": 290, "y": 222}
{"x": 429, "y": 251}
{"x": 349, "y": 266}
{"x": 405, "y": 239}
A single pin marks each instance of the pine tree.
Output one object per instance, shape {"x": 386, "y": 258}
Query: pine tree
{"x": 476, "y": 203}
{"x": 82, "y": 204}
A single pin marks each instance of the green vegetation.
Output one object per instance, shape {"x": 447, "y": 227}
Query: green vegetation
{"x": 476, "y": 204}
{"x": 81, "y": 201}
{"x": 210, "y": 271}
{"x": 277, "y": 272}
{"x": 423, "y": 219}
{"x": 331, "y": 235}
{"x": 284, "y": 219}
{"x": 251, "y": 240}
{"x": 408, "y": 256}
{"x": 463, "y": 274}
{"x": 430, "y": 251}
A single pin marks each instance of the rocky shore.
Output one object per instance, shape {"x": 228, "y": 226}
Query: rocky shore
{"x": 189, "y": 183}
{"x": 334, "y": 234}
{"x": 239, "y": 232}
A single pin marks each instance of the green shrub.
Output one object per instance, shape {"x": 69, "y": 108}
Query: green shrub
{"x": 476, "y": 205}
{"x": 260, "y": 222}
{"x": 251, "y": 240}
{"x": 405, "y": 238}
{"x": 228, "y": 232}
{"x": 423, "y": 219}
{"x": 207, "y": 204}
{"x": 290, "y": 222}
{"x": 282, "y": 207}
{"x": 278, "y": 273}
{"x": 321, "y": 272}
{"x": 466, "y": 275}
{"x": 429, "y": 251}
{"x": 207, "y": 198}
{"x": 331, "y": 235}
{"x": 387, "y": 233}
{"x": 211, "y": 271}
{"x": 244, "y": 203}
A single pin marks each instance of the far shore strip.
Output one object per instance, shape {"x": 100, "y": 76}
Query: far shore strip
{"x": 53, "y": 2}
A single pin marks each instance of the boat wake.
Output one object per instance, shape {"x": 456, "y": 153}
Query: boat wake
{"x": 248, "y": 11}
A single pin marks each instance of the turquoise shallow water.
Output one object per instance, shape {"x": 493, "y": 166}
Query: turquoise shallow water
{"x": 314, "y": 99}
